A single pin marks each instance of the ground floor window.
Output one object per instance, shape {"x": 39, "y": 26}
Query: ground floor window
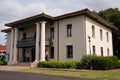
{"x": 52, "y": 52}
{"x": 94, "y": 52}
{"x": 69, "y": 51}
{"x": 101, "y": 51}
{"x": 108, "y": 52}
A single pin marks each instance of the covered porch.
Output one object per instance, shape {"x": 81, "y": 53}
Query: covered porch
{"x": 32, "y": 49}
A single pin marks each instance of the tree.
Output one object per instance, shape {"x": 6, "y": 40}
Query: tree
{"x": 113, "y": 16}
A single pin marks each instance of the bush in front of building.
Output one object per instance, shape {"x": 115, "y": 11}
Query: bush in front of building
{"x": 3, "y": 63}
{"x": 100, "y": 63}
{"x": 57, "y": 64}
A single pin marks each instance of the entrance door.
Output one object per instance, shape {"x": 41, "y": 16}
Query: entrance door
{"x": 33, "y": 54}
{"x": 23, "y": 55}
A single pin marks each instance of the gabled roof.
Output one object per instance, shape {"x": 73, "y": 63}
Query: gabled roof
{"x": 86, "y": 12}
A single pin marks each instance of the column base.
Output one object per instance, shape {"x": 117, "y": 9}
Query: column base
{"x": 34, "y": 64}
{"x": 42, "y": 60}
{"x": 12, "y": 63}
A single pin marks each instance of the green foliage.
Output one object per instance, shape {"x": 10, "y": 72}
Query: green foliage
{"x": 112, "y": 15}
{"x": 56, "y": 64}
{"x": 3, "y": 63}
{"x": 100, "y": 63}
{"x": 85, "y": 62}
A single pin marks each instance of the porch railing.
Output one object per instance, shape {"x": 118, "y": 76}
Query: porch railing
{"x": 30, "y": 42}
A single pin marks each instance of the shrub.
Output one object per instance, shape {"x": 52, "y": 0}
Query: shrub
{"x": 56, "y": 64}
{"x": 100, "y": 63}
{"x": 85, "y": 62}
{"x": 3, "y": 63}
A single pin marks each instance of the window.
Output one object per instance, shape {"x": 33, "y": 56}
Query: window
{"x": 94, "y": 52}
{"x": 70, "y": 51}
{"x": 107, "y": 36}
{"x": 24, "y": 35}
{"x": 101, "y": 34}
{"x": 52, "y": 52}
{"x": 69, "y": 30}
{"x": 101, "y": 51}
{"x": 52, "y": 33}
{"x": 108, "y": 52}
{"x": 93, "y": 31}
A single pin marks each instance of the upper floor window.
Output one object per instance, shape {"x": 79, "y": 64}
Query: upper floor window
{"x": 94, "y": 51}
{"x": 93, "y": 31}
{"x": 69, "y": 51}
{"x": 24, "y": 35}
{"x": 52, "y": 33}
{"x": 101, "y": 51}
{"x": 107, "y": 36}
{"x": 101, "y": 34}
{"x": 69, "y": 30}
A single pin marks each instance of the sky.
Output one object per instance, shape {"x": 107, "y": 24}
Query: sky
{"x": 11, "y": 10}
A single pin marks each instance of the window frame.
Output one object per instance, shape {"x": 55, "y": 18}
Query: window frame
{"x": 108, "y": 51}
{"x": 52, "y": 33}
{"x": 102, "y": 52}
{"x": 93, "y": 31}
{"x": 101, "y": 34}
{"x": 107, "y": 36}
{"x": 69, "y": 30}
{"x": 94, "y": 49}
{"x": 69, "y": 53}
{"x": 52, "y": 52}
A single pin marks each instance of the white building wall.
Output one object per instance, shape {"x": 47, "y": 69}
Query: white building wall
{"x": 77, "y": 39}
{"x": 96, "y": 41}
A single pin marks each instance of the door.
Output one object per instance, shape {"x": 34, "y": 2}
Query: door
{"x": 33, "y": 54}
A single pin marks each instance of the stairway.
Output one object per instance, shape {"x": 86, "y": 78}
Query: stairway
{"x": 25, "y": 64}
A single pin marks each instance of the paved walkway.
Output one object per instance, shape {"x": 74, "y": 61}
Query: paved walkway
{"x": 12, "y": 68}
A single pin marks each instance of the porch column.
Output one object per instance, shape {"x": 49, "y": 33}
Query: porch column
{"x": 42, "y": 57}
{"x": 15, "y": 53}
{"x": 37, "y": 42}
{"x": 11, "y": 47}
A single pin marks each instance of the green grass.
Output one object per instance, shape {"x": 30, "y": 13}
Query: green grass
{"x": 102, "y": 75}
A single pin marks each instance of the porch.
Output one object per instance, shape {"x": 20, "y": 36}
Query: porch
{"x": 37, "y": 43}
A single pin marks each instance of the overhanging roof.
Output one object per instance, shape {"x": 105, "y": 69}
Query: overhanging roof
{"x": 44, "y": 16}
{"x": 6, "y": 30}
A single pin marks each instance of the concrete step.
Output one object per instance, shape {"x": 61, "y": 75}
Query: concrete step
{"x": 27, "y": 64}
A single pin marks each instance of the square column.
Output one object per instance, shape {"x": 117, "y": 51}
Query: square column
{"x": 11, "y": 47}
{"x": 15, "y": 53}
{"x": 42, "y": 57}
{"x": 37, "y": 42}
{"x": 37, "y": 45}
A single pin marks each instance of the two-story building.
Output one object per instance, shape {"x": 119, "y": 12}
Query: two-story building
{"x": 65, "y": 37}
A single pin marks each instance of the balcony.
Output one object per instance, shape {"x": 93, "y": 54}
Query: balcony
{"x": 30, "y": 42}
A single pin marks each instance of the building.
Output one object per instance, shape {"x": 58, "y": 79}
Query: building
{"x": 65, "y": 37}
{"x": 2, "y": 52}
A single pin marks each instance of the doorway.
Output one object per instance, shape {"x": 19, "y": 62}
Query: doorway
{"x": 33, "y": 55}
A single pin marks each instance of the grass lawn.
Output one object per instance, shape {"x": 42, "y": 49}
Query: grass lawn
{"x": 102, "y": 75}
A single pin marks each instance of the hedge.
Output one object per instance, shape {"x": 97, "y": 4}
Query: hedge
{"x": 96, "y": 62}
{"x": 57, "y": 64}
{"x": 100, "y": 63}
{"x": 3, "y": 63}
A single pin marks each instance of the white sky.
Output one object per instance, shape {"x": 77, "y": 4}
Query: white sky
{"x": 11, "y": 10}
